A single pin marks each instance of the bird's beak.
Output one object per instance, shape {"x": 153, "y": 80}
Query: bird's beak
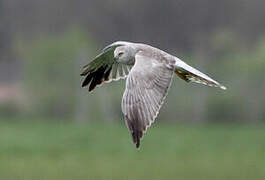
{"x": 115, "y": 58}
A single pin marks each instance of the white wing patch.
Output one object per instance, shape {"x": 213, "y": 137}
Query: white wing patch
{"x": 119, "y": 71}
{"x": 190, "y": 74}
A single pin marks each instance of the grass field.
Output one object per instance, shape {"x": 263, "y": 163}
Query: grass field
{"x": 59, "y": 151}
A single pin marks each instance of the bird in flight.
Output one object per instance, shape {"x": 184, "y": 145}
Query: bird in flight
{"x": 149, "y": 72}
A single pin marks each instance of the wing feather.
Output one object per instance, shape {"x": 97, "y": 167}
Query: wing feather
{"x": 114, "y": 71}
{"x": 103, "y": 69}
{"x": 190, "y": 74}
{"x": 146, "y": 89}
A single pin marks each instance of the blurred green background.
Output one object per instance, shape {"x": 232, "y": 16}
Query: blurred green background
{"x": 51, "y": 128}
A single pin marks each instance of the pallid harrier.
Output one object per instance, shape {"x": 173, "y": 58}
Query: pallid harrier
{"x": 149, "y": 72}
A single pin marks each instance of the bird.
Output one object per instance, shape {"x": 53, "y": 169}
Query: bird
{"x": 148, "y": 72}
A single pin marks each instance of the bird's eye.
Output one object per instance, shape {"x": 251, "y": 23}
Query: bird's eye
{"x": 120, "y": 54}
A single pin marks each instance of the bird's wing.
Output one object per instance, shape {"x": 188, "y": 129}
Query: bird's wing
{"x": 146, "y": 88}
{"x": 104, "y": 69}
{"x": 190, "y": 74}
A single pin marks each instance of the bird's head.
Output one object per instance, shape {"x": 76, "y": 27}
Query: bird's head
{"x": 124, "y": 54}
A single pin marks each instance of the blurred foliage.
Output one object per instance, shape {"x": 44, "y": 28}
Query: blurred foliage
{"x": 51, "y": 71}
{"x": 224, "y": 39}
{"x": 242, "y": 67}
{"x": 52, "y": 65}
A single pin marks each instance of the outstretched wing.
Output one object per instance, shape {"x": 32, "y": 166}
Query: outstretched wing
{"x": 146, "y": 88}
{"x": 190, "y": 74}
{"x": 104, "y": 69}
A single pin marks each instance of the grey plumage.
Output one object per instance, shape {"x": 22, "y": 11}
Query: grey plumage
{"x": 147, "y": 82}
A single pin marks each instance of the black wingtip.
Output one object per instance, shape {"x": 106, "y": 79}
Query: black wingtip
{"x": 138, "y": 144}
{"x": 83, "y": 73}
{"x": 87, "y": 80}
{"x": 96, "y": 78}
{"x": 136, "y": 135}
{"x": 135, "y": 130}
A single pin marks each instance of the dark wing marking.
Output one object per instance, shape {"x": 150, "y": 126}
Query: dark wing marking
{"x": 103, "y": 69}
{"x": 146, "y": 88}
